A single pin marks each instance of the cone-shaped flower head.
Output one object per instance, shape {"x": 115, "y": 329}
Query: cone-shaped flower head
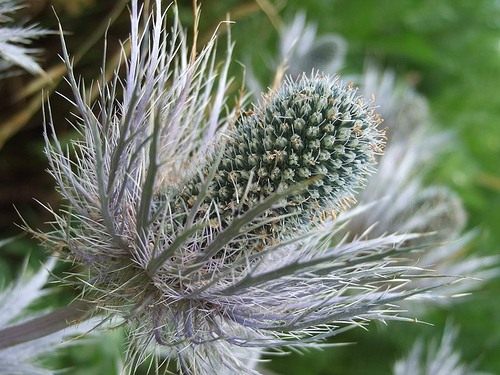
{"x": 314, "y": 127}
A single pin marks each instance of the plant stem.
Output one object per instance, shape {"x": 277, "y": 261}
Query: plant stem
{"x": 44, "y": 325}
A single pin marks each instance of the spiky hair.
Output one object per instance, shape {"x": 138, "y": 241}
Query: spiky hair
{"x": 440, "y": 358}
{"x": 14, "y": 38}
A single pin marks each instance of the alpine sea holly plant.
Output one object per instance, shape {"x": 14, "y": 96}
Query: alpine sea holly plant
{"x": 215, "y": 233}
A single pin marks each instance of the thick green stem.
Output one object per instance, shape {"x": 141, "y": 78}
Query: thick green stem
{"x": 44, "y": 325}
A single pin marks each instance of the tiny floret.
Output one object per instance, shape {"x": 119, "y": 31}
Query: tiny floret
{"x": 290, "y": 138}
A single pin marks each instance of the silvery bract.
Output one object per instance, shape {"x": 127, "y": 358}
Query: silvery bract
{"x": 302, "y": 49}
{"x": 406, "y": 204}
{"x": 439, "y": 358}
{"x": 14, "y": 300}
{"x": 15, "y": 38}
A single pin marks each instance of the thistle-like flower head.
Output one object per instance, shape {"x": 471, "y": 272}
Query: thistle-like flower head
{"x": 311, "y": 128}
{"x": 314, "y": 126}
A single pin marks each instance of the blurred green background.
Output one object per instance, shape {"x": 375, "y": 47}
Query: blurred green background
{"x": 450, "y": 49}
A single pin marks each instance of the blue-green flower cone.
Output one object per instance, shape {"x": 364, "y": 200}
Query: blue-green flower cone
{"x": 313, "y": 127}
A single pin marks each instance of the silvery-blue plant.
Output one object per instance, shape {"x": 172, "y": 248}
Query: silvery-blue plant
{"x": 22, "y": 356}
{"x": 14, "y": 39}
{"x": 301, "y": 50}
{"x": 215, "y": 233}
{"x": 439, "y": 358}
